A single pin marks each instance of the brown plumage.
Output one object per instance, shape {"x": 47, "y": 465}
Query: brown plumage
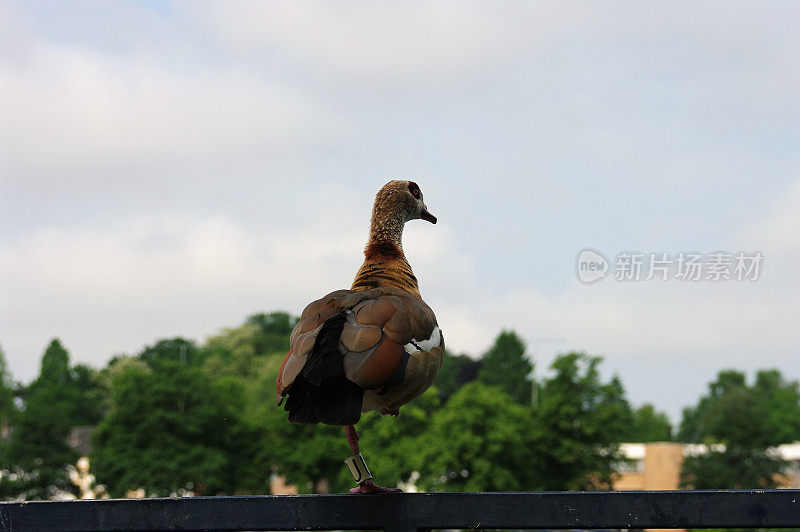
{"x": 384, "y": 261}
{"x": 376, "y": 346}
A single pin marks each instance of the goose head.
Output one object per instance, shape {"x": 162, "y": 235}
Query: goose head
{"x": 401, "y": 200}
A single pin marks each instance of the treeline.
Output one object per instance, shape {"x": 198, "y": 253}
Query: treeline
{"x": 185, "y": 418}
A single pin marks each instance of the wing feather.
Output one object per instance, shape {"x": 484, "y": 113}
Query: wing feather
{"x": 379, "y": 323}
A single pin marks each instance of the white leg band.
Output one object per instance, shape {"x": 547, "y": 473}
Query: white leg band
{"x": 358, "y": 468}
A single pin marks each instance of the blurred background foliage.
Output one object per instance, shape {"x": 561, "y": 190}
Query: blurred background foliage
{"x": 179, "y": 417}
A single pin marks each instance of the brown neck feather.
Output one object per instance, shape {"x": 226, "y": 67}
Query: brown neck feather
{"x": 385, "y": 263}
{"x": 383, "y": 251}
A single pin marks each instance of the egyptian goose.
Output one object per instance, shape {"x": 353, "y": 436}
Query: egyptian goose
{"x": 376, "y": 346}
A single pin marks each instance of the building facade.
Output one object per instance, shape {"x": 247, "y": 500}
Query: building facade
{"x": 657, "y": 465}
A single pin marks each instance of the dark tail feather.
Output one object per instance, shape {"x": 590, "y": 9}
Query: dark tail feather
{"x": 337, "y": 401}
{"x": 321, "y": 393}
{"x": 325, "y": 360}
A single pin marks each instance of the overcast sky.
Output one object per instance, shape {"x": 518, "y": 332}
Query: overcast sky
{"x": 168, "y": 168}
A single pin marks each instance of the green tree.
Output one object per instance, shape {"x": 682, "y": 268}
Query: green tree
{"x": 38, "y": 448}
{"x": 311, "y": 457}
{"x": 580, "y": 422}
{"x": 734, "y": 467}
{"x": 104, "y": 378}
{"x": 770, "y": 411}
{"x": 650, "y": 425}
{"x": 235, "y": 352}
{"x": 505, "y": 366}
{"x": 392, "y": 445}
{"x": 170, "y": 428}
{"x": 481, "y": 440}
{"x": 89, "y": 396}
{"x": 694, "y": 422}
{"x": 274, "y": 329}
{"x": 173, "y": 349}
{"x": 8, "y": 410}
{"x": 741, "y": 424}
{"x": 782, "y": 400}
{"x": 457, "y": 371}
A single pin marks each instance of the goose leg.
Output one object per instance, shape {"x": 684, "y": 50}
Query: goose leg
{"x": 352, "y": 438}
{"x": 367, "y": 486}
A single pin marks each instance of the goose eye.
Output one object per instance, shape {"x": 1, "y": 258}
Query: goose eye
{"x": 414, "y": 189}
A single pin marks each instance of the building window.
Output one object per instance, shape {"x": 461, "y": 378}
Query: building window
{"x": 629, "y": 466}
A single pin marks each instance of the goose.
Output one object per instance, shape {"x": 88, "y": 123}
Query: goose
{"x": 376, "y": 346}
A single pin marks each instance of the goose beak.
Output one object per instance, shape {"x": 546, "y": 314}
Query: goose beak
{"x": 425, "y": 215}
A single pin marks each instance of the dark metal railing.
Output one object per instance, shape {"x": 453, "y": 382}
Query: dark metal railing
{"x": 416, "y": 511}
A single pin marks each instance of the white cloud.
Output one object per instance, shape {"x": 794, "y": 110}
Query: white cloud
{"x": 112, "y": 291}
{"x": 778, "y": 230}
{"x": 375, "y": 43}
{"x": 665, "y": 338}
{"x": 69, "y": 110}
{"x": 651, "y": 121}
{"x": 116, "y": 290}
